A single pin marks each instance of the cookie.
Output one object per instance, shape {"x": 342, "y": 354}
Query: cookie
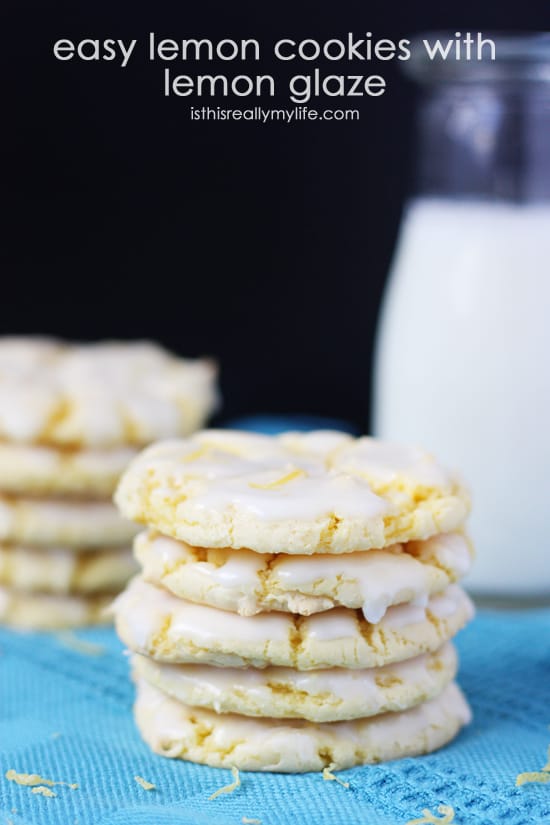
{"x": 50, "y": 570}
{"x": 57, "y": 523}
{"x": 151, "y": 621}
{"x": 48, "y": 471}
{"x": 44, "y": 611}
{"x": 100, "y": 395}
{"x": 320, "y": 492}
{"x": 247, "y": 583}
{"x": 327, "y": 695}
{"x": 175, "y": 730}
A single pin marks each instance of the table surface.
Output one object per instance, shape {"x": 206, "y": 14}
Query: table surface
{"x": 66, "y": 714}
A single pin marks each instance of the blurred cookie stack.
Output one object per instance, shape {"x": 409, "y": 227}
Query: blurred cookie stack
{"x": 71, "y": 418}
{"x": 297, "y": 600}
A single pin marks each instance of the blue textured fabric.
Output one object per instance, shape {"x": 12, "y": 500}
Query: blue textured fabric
{"x": 67, "y": 715}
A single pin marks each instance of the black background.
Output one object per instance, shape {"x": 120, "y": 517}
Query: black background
{"x": 264, "y": 245}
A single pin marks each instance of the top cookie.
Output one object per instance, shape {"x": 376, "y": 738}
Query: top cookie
{"x": 319, "y": 492}
{"x": 99, "y": 395}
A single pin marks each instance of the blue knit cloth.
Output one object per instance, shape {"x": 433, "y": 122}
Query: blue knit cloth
{"x": 67, "y": 715}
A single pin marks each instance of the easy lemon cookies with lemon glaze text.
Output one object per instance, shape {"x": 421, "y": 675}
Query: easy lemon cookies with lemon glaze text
{"x": 300, "y": 588}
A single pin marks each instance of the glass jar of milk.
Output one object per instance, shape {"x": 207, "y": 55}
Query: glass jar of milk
{"x": 463, "y": 349}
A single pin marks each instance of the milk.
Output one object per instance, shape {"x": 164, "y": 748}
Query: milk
{"x": 463, "y": 368}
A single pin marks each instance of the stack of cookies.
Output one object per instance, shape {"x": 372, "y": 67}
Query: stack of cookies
{"x": 297, "y": 600}
{"x": 71, "y": 418}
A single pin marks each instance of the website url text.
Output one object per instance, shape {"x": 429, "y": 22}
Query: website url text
{"x": 261, "y": 115}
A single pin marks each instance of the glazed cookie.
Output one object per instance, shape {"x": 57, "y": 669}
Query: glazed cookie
{"x": 48, "y": 471}
{"x": 63, "y": 571}
{"x": 317, "y": 695}
{"x": 320, "y": 492}
{"x": 152, "y": 622}
{"x": 247, "y": 583}
{"x": 43, "y": 611}
{"x": 172, "y": 729}
{"x": 99, "y": 395}
{"x": 56, "y": 523}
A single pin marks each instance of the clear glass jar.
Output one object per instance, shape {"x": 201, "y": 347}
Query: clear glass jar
{"x": 463, "y": 349}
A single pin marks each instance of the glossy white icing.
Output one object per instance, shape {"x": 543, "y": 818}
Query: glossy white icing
{"x": 239, "y": 569}
{"x": 289, "y": 477}
{"x": 386, "y": 461}
{"x": 310, "y": 495}
{"x": 344, "y": 685}
{"x": 333, "y": 624}
{"x": 146, "y": 608}
{"x": 43, "y": 521}
{"x": 444, "y": 604}
{"x": 90, "y": 392}
{"x": 404, "y": 615}
{"x": 382, "y": 577}
{"x": 451, "y": 550}
{"x": 168, "y": 719}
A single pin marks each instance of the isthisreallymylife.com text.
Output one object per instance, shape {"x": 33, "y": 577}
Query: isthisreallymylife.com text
{"x": 258, "y": 114}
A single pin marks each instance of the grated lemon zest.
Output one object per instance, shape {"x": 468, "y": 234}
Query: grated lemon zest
{"x": 280, "y": 481}
{"x": 147, "y": 786}
{"x": 34, "y": 779}
{"x": 532, "y": 776}
{"x": 69, "y": 639}
{"x": 447, "y": 817}
{"x": 43, "y": 791}
{"x": 228, "y": 788}
{"x": 247, "y": 821}
{"x": 330, "y": 777}
{"x": 200, "y": 452}
{"x": 27, "y": 778}
{"x": 535, "y": 776}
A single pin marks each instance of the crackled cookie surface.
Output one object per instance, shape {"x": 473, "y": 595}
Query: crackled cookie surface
{"x": 99, "y": 395}
{"x": 326, "y": 695}
{"x": 175, "y": 730}
{"x": 152, "y": 622}
{"x": 247, "y": 583}
{"x": 320, "y": 492}
{"x": 48, "y": 471}
{"x": 51, "y": 570}
{"x": 44, "y": 611}
{"x": 60, "y": 523}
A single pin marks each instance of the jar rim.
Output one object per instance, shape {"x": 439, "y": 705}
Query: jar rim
{"x": 518, "y": 57}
